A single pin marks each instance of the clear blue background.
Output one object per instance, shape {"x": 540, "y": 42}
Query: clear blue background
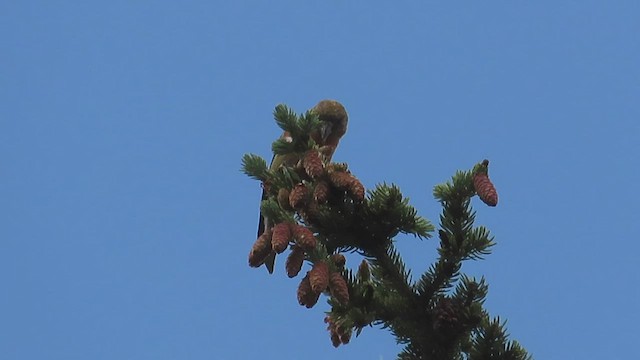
{"x": 125, "y": 222}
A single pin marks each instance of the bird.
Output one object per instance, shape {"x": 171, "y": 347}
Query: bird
{"x": 333, "y": 125}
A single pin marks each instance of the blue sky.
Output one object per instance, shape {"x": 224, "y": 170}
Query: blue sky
{"x": 125, "y": 222}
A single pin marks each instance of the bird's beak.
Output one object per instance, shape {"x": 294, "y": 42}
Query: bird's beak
{"x": 325, "y": 130}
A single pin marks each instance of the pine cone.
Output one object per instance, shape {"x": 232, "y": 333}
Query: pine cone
{"x": 312, "y": 164}
{"x": 335, "y": 338}
{"x": 341, "y": 179}
{"x": 446, "y": 316}
{"x": 283, "y": 199}
{"x": 333, "y": 331}
{"x": 356, "y": 190}
{"x": 306, "y": 296}
{"x": 485, "y": 189}
{"x": 339, "y": 289}
{"x": 345, "y": 181}
{"x": 345, "y": 336}
{"x": 294, "y": 261}
{"x": 339, "y": 260}
{"x": 280, "y": 238}
{"x": 319, "y": 277}
{"x": 304, "y": 237}
{"x": 339, "y": 334}
{"x": 260, "y": 250}
{"x": 363, "y": 271}
{"x": 298, "y": 196}
{"x": 321, "y": 192}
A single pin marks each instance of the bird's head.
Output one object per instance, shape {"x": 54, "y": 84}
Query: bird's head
{"x": 333, "y": 122}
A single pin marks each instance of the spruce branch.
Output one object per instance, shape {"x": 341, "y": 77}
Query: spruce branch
{"x": 490, "y": 342}
{"x": 283, "y": 147}
{"x": 286, "y": 119}
{"x": 318, "y": 209}
{"x": 254, "y": 166}
{"x": 389, "y": 269}
{"x": 308, "y": 122}
{"x": 393, "y": 214}
{"x": 271, "y": 209}
{"x": 477, "y": 243}
{"x": 438, "y": 278}
{"x": 470, "y": 291}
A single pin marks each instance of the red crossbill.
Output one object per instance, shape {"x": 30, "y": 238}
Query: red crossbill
{"x": 333, "y": 125}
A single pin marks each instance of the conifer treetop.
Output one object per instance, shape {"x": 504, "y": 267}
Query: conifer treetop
{"x": 319, "y": 210}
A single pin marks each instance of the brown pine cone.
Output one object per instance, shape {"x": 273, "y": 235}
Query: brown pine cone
{"x": 364, "y": 273}
{"x": 341, "y": 179}
{"x": 260, "y": 250}
{"x": 345, "y": 336}
{"x": 294, "y": 261}
{"x": 306, "y": 296}
{"x": 356, "y": 190}
{"x": 281, "y": 234}
{"x": 319, "y": 277}
{"x": 304, "y": 237}
{"x": 335, "y": 338}
{"x": 485, "y": 189}
{"x": 483, "y": 186}
{"x": 446, "y": 314}
{"x": 339, "y": 335}
{"x": 298, "y": 196}
{"x": 321, "y": 192}
{"x": 345, "y": 181}
{"x": 312, "y": 164}
{"x": 339, "y": 260}
{"x": 339, "y": 289}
